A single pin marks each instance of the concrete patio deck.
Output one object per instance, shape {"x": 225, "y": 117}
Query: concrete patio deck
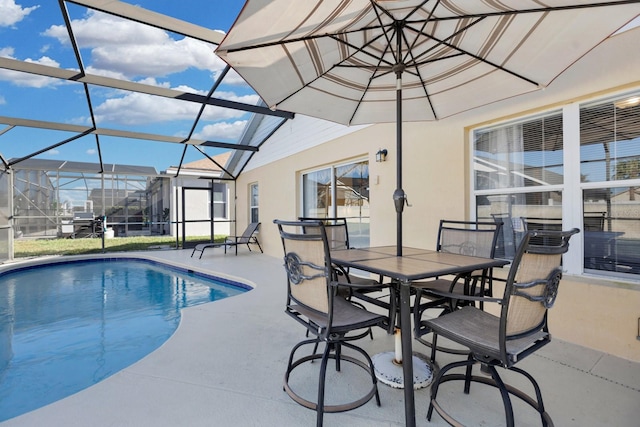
{"x": 224, "y": 367}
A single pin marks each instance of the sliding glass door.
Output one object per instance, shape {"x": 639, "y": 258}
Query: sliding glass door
{"x": 340, "y": 191}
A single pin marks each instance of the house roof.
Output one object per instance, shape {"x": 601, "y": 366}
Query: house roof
{"x": 210, "y": 167}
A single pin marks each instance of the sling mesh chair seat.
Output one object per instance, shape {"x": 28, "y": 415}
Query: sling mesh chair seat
{"x": 442, "y": 294}
{"x": 313, "y": 301}
{"x": 361, "y": 288}
{"x": 520, "y": 329}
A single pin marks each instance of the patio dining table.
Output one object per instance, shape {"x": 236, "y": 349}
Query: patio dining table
{"x": 414, "y": 264}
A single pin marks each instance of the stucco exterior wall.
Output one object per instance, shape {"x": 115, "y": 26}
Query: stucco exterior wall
{"x": 597, "y": 313}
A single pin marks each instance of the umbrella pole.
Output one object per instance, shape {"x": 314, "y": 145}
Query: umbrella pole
{"x": 399, "y": 197}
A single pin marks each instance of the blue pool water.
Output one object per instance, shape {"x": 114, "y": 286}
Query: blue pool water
{"x": 64, "y": 327}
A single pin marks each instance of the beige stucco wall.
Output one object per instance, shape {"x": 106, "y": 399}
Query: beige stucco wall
{"x": 433, "y": 156}
{"x": 596, "y": 313}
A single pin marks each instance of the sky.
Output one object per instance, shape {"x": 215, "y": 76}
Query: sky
{"x": 34, "y": 31}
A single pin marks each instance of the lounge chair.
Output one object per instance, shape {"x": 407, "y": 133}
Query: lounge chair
{"x": 247, "y": 238}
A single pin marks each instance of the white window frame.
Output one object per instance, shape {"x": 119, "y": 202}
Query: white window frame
{"x": 332, "y": 167}
{"x": 251, "y": 206}
{"x": 224, "y": 202}
{"x": 572, "y": 188}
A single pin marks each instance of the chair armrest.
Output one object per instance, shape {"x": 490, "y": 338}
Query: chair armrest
{"x": 458, "y": 296}
{"x": 353, "y": 285}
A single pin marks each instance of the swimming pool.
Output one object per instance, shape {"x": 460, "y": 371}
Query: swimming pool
{"x": 67, "y": 326}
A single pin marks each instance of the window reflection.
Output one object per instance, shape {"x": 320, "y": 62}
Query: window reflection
{"x": 612, "y": 229}
{"x": 340, "y": 191}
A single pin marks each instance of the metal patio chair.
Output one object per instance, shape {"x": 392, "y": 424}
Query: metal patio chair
{"x": 459, "y": 237}
{"x": 313, "y": 301}
{"x": 338, "y": 237}
{"x": 520, "y": 329}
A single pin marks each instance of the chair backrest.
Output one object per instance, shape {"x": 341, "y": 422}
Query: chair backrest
{"x": 336, "y": 229}
{"x": 533, "y": 224}
{"x": 246, "y": 236}
{"x": 531, "y": 288}
{"x": 307, "y": 261}
{"x": 468, "y": 238}
{"x": 594, "y": 221}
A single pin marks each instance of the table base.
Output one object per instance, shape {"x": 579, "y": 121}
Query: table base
{"x": 388, "y": 371}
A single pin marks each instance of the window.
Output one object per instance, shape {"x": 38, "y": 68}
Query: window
{"x": 518, "y": 174}
{"x": 610, "y": 172}
{"x": 340, "y": 191}
{"x": 520, "y": 177}
{"x": 220, "y": 200}
{"x": 253, "y": 202}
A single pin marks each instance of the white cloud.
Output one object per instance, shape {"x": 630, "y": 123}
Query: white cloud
{"x": 137, "y": 108}
{"x": 233, "y": 78}
{"x": 223, "y": 130}
{"x": 13, "y": 13}
{"x": 91, "y": 151}
{"x": 133, "y": 49}
{"x": 25, "y": 79}
{"x": 3, "y": 101}
{"x": 53, "y": 152}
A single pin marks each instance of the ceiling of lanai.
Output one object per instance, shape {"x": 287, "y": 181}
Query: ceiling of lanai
{"x": 108, "y": 81}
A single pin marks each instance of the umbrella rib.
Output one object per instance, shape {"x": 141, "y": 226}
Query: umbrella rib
{"x": 394, "y": 27}
{"x": 424, "y": 25}
{"x": 359, "y": 49}
{"x": 373, "y": 76}
{"x": 444, "y": 42}
{"x": 461, "y": 30}
{"x": 533, "y": 10}
{"x": 418, "y": 7}
{"x": 300, "y": 39}
{"x": 481, "y": 59}
{"x": 340, "y": 64}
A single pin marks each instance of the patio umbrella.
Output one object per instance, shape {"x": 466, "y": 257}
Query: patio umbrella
{"x": 375, "y": 61}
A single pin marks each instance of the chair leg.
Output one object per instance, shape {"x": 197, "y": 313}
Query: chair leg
{"x": 369, "y": 365}
{"x": 440, "y": 378}
{"x": 434, "y": 347}
{"x": 321, "y": 382}
{"x": 329, "y": 352}
{"x": 506, "y": 391}
{"x": 539, "y": 405}
{"x": 467, "y": 376}
{"x": 506, "y": 399}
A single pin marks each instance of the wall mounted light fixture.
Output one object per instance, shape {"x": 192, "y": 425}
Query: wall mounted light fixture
{"x": 381, "y": 155}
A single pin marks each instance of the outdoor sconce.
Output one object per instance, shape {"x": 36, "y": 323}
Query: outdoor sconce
{"x": 381, "y": 155}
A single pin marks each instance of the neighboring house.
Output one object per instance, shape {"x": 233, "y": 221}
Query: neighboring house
{"x": 136, "y": 200}
{"x": 198, "y": 196}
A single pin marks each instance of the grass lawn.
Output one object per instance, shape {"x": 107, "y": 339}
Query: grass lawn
{"x": 39, "y": 247}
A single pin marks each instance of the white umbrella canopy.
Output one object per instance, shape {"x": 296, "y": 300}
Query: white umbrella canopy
{"x": 375, "y": 61}
{"x": 335, "y": 59}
